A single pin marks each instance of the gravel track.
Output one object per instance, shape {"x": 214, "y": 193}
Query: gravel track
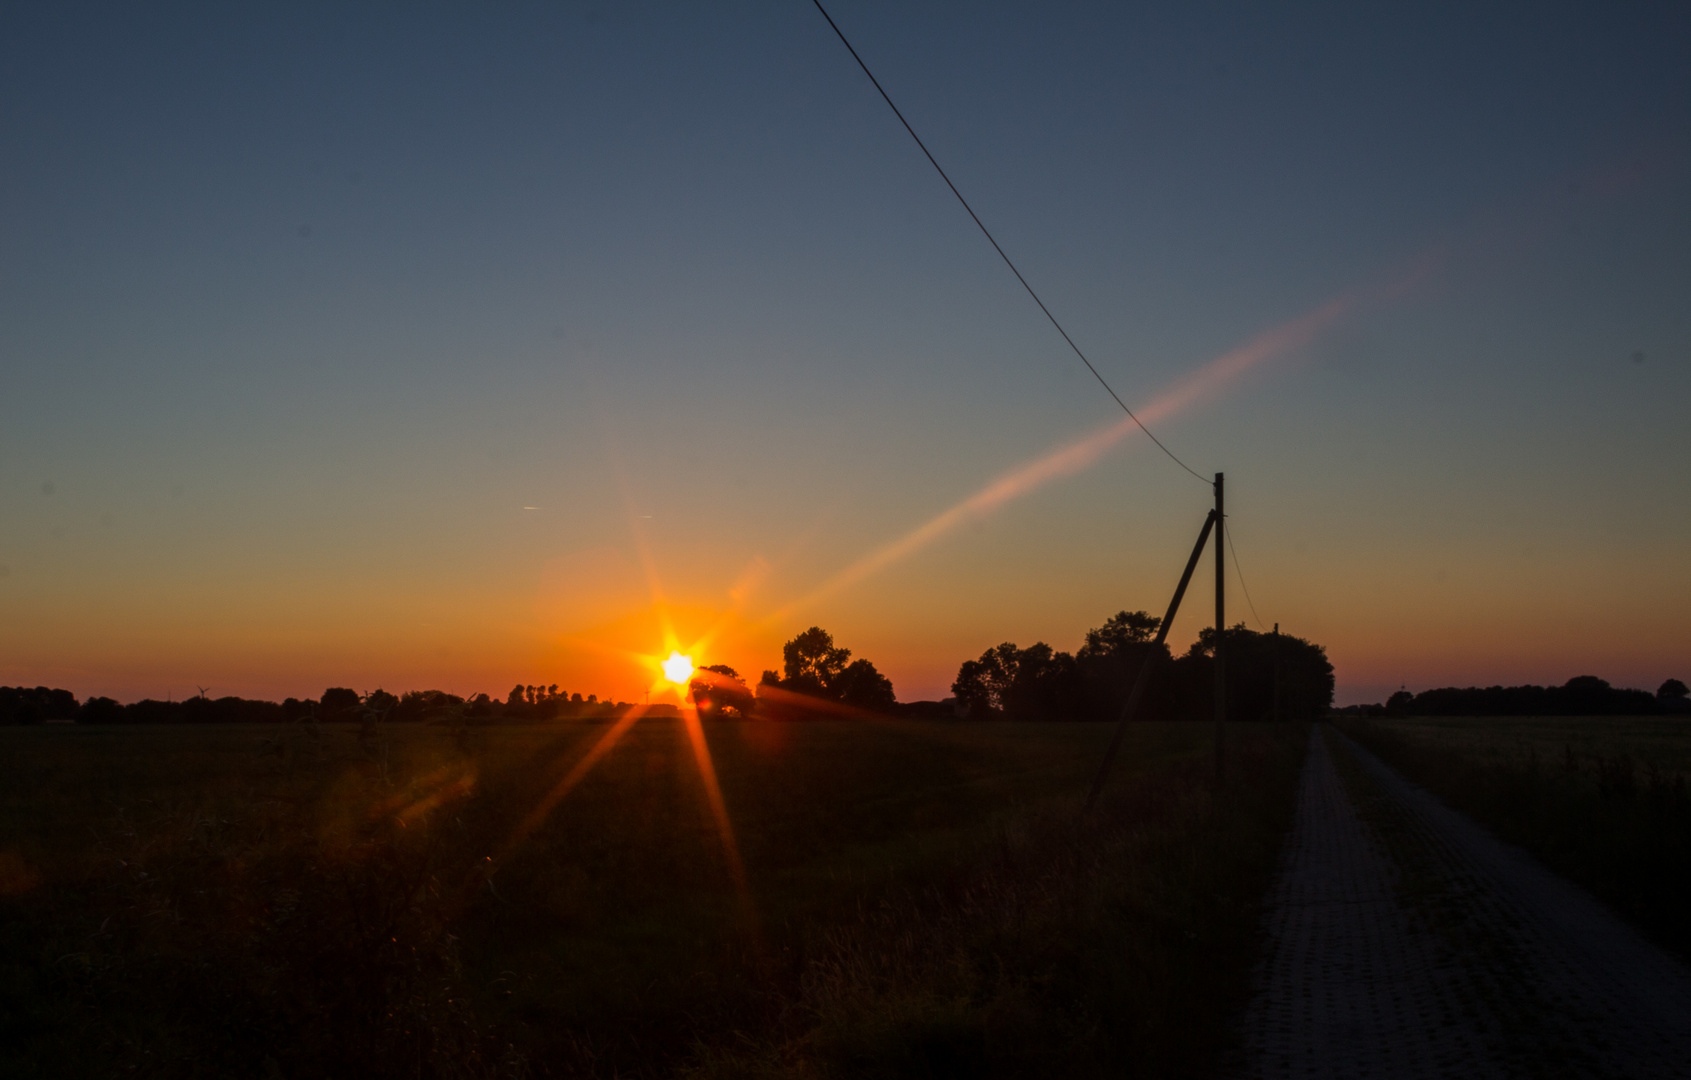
{"x": 1405, "y": 941}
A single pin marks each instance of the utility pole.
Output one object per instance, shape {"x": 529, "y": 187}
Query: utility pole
{"x": 1152, "y": 655}
{"x": 1220, "y": 627}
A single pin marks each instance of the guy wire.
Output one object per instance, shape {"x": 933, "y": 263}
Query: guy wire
{"x": 1241, "y": 575}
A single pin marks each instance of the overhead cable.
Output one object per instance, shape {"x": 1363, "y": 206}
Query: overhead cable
{"x": 985, "y": 232}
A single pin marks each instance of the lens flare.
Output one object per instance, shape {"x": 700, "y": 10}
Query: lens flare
{"x": 678, "y": 668}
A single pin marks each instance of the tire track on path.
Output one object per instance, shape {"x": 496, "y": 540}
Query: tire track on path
{"x": 1405, "y": 941}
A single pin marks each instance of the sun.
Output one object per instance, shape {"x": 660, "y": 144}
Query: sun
{"x": 678, "y": 669}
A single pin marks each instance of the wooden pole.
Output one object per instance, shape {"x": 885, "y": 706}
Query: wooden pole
{"x": 1151, "y": 658}
{"x": 1220, "y": 627}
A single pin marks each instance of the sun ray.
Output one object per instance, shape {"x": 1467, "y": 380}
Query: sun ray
{"x": 718, "y": 807}
{"x": 548, "y": 802}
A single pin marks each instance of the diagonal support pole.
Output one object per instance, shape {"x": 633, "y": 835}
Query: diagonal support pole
{"x": 1151, "y": 659}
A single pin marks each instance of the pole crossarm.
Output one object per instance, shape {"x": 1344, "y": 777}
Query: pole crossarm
{"x": 1151, "y": 658}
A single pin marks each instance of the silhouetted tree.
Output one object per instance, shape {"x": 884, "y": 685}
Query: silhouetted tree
{"x": 983, "y": 685}
{"x": 100, "y": 710}
{"x": 337, "y": 703}
{"x": 717, "y": 690}
{"x": 1110, "y": 662}
{"x": 1035, "y": 683}
{"x": 1587, "y": 694}
{"x": 811, "y": 663}
{"x": 815, "y": 667}
{"x": 1306, "y": 676}
{"x": 1672, "y": 690}
{"x": 861, "y": 686}
{"x": 1123, "y": 629}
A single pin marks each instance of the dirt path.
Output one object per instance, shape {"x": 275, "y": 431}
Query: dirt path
{"x": 1406, "y": 941}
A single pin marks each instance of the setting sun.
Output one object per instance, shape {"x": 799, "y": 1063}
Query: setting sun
{"x": 678, "y": 669}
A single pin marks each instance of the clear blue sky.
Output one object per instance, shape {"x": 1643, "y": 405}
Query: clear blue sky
{"x": 300, "y": 308}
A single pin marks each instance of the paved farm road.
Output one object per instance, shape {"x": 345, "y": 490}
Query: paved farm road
{"x": 1487, "y": 965}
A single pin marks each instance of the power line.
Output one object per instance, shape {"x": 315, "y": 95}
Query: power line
{"x": 985, "y": 232}
{"x": 1241, "y": 575}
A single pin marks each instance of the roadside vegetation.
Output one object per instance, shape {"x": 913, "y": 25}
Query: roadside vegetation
{"x": 1601, "y": 800}
{"x": 921, "y": 899}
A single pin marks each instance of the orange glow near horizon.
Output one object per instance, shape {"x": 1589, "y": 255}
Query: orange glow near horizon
{"x": 600, "y": 603}
{"x": 672, "y": 674}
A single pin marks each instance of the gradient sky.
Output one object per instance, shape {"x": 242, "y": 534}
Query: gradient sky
{"x": 300, "y": 311}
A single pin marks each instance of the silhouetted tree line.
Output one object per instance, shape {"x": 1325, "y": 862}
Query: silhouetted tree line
{"x": 1039, "y": 683}
{"x": 549, "y": 703}
{"x": 1583, "y": 695}
{"x": 23, "y": 705}
{"x": 1265, "y": 672}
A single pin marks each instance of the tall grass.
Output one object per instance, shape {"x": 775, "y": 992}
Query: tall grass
{"x": 1119, "y": 944}
{"x": 1617, "y": 825}
{"x": 925, "y": 900}
{"x": 240, "y": 932}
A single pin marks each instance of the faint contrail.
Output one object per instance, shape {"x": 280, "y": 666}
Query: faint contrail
{"x": 1082, "y": 453}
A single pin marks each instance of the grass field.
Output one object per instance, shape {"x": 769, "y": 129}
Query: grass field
{"x": 1664, "y": 741}
{"x": 918, "y": 899}
{"x": 1602, "y": 800}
